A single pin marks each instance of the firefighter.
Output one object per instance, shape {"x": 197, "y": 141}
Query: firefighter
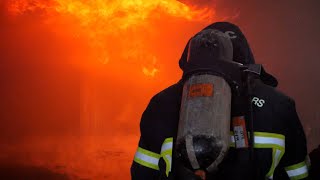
{"x": 277, "y": 143}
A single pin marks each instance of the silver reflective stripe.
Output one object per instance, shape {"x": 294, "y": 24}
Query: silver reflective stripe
{"x": 169, "y": 158}
{"x": 274, "y": 141}
{"x": 264, "y": 139}
{"x": 276, "y": 156}
{"x": 166, "y": 153}
{"x": 166, "y": 146}
{"x": 269, "y": 140}
{"x": 147, "y": 158}
{"x": 297, "y": 172}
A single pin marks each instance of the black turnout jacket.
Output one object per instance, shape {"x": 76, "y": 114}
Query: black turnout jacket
{"x": 279, "y": 149}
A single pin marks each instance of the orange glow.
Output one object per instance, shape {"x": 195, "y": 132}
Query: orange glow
{"x": 126, "y": 51}
{"x": 103, "y": 22}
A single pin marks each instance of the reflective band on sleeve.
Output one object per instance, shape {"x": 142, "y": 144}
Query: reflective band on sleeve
{"x": 266, "y": 140}
{"x": 274, "y": 141}
{"x": 297, "y": 171}
{"x": 166, "y": 153}
{"x": 261, "y": 142}
{"x": 276, "y": 156}
{"x": 168, "y": 160}
{"x": 167, "y": 146}
{"x": 147, "y": 158}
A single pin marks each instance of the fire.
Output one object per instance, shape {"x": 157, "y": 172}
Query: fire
{"x": 129, "y": 50}
{"x": 123, "y": 13}
{"x": 109, "y": 25}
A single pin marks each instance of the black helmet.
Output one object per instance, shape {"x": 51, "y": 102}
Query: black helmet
{"x": 241, "y": 50}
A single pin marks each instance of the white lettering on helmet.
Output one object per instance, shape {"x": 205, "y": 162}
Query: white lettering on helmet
{"x": 258, "y": 102}
{"x": 230, "y": 34}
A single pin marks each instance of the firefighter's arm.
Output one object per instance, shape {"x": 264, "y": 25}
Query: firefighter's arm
{"x": 293, "y": 164}
{"x": 145, "y": 163}
{"x": 146, "y": 159}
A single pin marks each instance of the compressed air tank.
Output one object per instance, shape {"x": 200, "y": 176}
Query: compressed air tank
{"x": 204, "y": 126}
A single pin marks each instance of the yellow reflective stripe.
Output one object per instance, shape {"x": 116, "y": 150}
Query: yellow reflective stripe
{"x": 166, "y": 147}
{"x": 276, "y": 156}
{"x": 168, "y": 160}
{"x": 295, "y": 166}
{"x": 264, "y": 140}
{"x": 265, "y": 146}
{"x": 149, "y": 153}
{"x": 146, "y": 164}
{"x": 266, "y": 134}
{"x": 168, "y": 140}
{"x": 147, "y": 158}
{"x": 268, "y": 140}
{"x": 166, "y": 153}
{"x": 297, "y": 171}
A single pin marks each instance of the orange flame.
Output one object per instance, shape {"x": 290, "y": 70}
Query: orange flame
{"x": 135, "y": 37}
{"x": 128, "y": 21}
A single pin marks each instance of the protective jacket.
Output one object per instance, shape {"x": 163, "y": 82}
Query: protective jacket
{"x": 279, "y": 140}
{"x": 315, "y": 161}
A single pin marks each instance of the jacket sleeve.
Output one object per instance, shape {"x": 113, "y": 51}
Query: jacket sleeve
{"x": 147, "y": 156}
{"x": 293, "y": 164}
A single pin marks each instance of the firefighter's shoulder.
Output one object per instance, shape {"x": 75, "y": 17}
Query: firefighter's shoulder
{"x": 164, "y": 110}
{"x": 271, "y": 95}
{"x": 170, "y": 94}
